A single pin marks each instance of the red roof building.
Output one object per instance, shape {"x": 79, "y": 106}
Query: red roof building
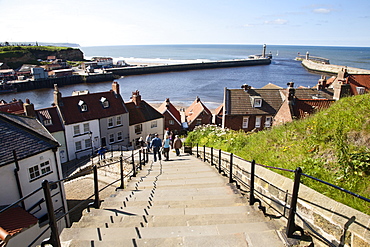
{"x": 197, "y": 114}
{"x": 172, "y": 117}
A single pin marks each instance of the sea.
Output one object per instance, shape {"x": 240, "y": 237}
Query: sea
{"x": 183, "y": 87}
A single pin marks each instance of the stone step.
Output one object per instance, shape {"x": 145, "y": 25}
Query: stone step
{"x": 146, "y": 233}
{"x": 104, "y": 221}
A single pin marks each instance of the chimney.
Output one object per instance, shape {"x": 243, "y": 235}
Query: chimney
{"x": 198, "y": 99}
{"x": 136, "y": 98}
{"x": 57, "y": 96}
{"x": 340, "y": 85}
{"x": 29, "y": 109}
{"x": 321, "y": 83}
{"x": 246, "y": 87}
{"x": 291, "y": 92}
{"x": 167, "y": 103}
{"x": 115, "y": 87}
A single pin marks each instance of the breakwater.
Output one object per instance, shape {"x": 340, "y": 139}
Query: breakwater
{"x": 139, "y": 70}
{"x": 115, "y": 73}
{"x": 331, "y": 69}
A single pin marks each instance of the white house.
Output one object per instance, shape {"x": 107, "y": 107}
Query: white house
{"x": 28, "y": 156}
{"x": 144, "y": 119}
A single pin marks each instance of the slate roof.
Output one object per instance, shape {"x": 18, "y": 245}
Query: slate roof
{"x": 195, "y": 109}
{"x": 168, "y": 106}
{"x": 239, "y": 101}
{"x": 312, "y": 93}
{"x": 71, "y": 112}
{"x": 359, "y": 81}
{"x": 50, "y": 113}
{"x": 25, "y": 135}
{"x": 303, "y": 108}
{"x": 142, "y": 113}
{"x": 14, "y": 220}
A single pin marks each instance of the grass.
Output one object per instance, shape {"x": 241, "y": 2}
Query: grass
{"x": 332, "y": 145}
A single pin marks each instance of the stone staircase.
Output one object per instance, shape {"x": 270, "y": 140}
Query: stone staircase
{"x": 181, "y": 202}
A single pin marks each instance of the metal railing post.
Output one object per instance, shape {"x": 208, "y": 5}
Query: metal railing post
{"x": 219, "y": 161}
{"x": 133, "y": 164}
{"x": 54, "y": 236}
{"x": 122, "y": 186}
{"x": 204, "y": 153}
{"x": 147, "y": 155}
{"x": 197, "y": 151}
{"x": 140, "y": 164}
{"x": 96, "y": 187}
{"x": 251, "y": 184}
{"x": 211, "y": 156}
{"x": 231, "y": 168}
{"x": 292, "y": 227}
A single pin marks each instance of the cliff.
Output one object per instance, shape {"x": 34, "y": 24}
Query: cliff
{"x": 14, "y": 56}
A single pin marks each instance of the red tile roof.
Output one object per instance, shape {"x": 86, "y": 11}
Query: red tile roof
{"x": 303, "y": 108}
{"x": 14, "y": 220}
{"x": 168, "y": 106}
{"x": 195, "y": 109}
{"x": 359, "y": 81}
{"x": 12, "y": 107}
{"x": 71, "y": 112}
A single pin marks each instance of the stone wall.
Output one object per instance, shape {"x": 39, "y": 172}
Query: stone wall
{"x": 339, "y": 224}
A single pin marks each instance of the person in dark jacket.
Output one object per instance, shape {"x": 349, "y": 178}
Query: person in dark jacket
{"x": 156, "y": 145}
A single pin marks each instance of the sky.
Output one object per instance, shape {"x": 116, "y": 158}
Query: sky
{"x": 149, "y": 22}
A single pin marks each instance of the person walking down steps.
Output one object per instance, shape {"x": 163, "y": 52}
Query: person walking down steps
{"x": 166, "y": 147}
{"x": 177, "y": 144}
{"x": 156, "y": 145}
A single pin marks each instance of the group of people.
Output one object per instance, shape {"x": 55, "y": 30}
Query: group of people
{"x": 158, "y": 146}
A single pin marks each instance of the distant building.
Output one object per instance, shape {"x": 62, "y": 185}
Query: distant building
{"x": 197, "y": 114}
{"x": 172, "y": 118}
{"x": 28, "y": 156}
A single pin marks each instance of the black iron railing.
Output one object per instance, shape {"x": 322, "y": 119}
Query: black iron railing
{"x": 227, "y": 170}
{"x": 53, "y": 240}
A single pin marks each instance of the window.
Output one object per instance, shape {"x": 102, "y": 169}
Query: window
{"x": 257, "y": 102}
{"x": 87, "y": 143}
{"x": 110, "y": 122}
{"x": 171, "y": 122}
{"x": 86, "y": 127}
{"x": 82, "y": 105}
{"x": 78, "y": 145}
{"x": 34, "y": 172}
{"x": 39, "y": 170}
{"x": 119, "y": 120}
{"x": 245, "y": 122}
{"x": 48, "y": 122}
{"x": 199, "y": 121}
{"x": 258, "y": 122}
{"x": 119, "y": 136}
{"x": 76, "y": 129}
{"x": 104, "y": 102}
{"x": 111, "y": 138}
{"x": 138, "y": 128}
{"x": 360, "y": 90}
{"x": 268, "y": 121}
{"x": 154, "y": 124}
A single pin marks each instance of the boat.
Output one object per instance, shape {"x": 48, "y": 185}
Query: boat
{"x": 6, "y": 87}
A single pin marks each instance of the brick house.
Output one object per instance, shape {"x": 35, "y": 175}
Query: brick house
{"x": 172, "y": 117}
{"x": 197, "y": 114}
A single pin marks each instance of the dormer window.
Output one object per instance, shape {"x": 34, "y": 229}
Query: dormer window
{"x": 360, "y": 90}
{"x": 82, "y": 105}
{"x": 104, "y": 102}
{"x": 256, "y": 101}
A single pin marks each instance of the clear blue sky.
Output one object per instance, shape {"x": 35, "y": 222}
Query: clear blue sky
{"x": 134, "y": 22}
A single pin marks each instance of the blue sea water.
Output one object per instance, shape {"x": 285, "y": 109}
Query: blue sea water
{"x": 183, "y": 87}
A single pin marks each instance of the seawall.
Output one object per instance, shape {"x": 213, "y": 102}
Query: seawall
{"x": 330, "y": 68}
{"x": 189, "y": 66}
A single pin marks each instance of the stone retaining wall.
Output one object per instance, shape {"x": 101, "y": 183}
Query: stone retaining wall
{"x": 330, "y": 68}
{"x": 324, "y": 215}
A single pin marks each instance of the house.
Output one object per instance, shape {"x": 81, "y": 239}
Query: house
{"x": 92, "y": 120}
{"x": 144, "y": 119}
{"x": 7, "y": 74}
{"x": 60, "y": 73}
{"x": 218, "y": 114}
{"x": 302, "y": 102}
{"x": 351, "y": 84}
{"x": 250, "y": 109}
{"x": 15, "y": 107}
{"x": 51, "y": 119}
{"x": 28, "y": 156}
{"x": 172, "y": 117}
{"x": 197, "y": 114}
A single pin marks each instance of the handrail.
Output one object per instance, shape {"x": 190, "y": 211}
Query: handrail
{"x": 54, "y": 240}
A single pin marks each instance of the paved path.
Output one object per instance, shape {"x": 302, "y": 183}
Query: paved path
{"x": 181, "y": 202}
